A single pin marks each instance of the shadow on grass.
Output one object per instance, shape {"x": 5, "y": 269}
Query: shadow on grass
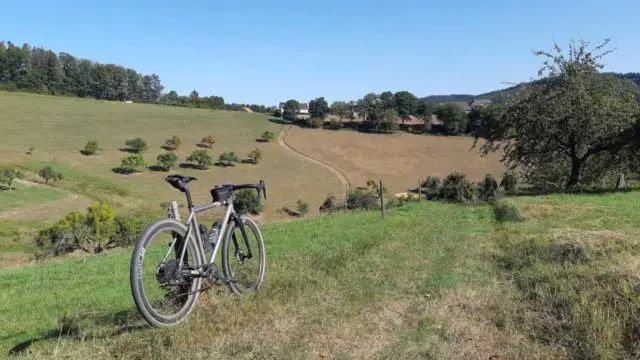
{"x": 247, "y": 161}
{"x": 201, "y": 145}
{"x": 129, "y": 150}
{"x": 168, "y": 148}
{"x": 158, "y": 168}
{"x": 122, "y": 171}
{"x": 86, "y": 153}
{"x": 223, "y": 164}
{"x": 192, "y": 166}
{"x": 75, "y": 328}
{"x": 262, "y": 141}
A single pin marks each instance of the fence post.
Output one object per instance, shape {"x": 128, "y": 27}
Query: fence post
{"x": 381, "y": 199}
{"x": 173, "y": 210}
{"x": 419, "y": 189}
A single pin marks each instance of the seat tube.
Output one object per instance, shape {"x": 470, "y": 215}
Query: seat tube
{"x": 189, "y": 202}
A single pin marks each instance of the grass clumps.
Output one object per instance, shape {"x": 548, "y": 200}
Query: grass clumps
{"x": 505, "y": 211}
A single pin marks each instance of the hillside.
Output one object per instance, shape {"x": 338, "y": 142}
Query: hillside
{"x": 502, "y": 94}
{"x": 457, "y": 286}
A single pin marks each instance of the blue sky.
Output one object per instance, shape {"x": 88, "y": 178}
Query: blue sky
{"x": 270, "y": 51}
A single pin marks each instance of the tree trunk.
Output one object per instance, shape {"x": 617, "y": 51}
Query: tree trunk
{"x": 574, "y": 177}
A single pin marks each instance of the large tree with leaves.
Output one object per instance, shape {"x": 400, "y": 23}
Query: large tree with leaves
{"x": 573, "y": 126}
{"x": 290, "y": 110}
{"x": 318, "y": 108}
{"x": 405, "y": 104}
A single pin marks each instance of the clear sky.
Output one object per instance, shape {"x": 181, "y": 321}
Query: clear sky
{"x": 265, "y": 51}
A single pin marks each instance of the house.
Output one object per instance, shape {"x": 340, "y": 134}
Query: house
{"x": 479, "y": 102}
{"x": 303, "y": 109}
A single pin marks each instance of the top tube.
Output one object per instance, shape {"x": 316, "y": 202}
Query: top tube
{"x": 197, "y": 209}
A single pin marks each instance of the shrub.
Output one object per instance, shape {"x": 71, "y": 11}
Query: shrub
{"x": 228, "y": 158}
{"x": 138, "y": 145}
{"x": 255, "y": 155}
{"x": 456, "y": 187}
{"x": 267, "y": 136}
{"x": 100, "y": 220}
{"x": 509, "y": 182}
{"x": 132, "y": 163}
{"x": 302, "y": 207}
{"x": 361, "y": 199}
{"x": 90, "y": 148}
{"x": 167, "y": 160}
{"x": 489, "y": 189}
{"x": 173, "y": 143}
{"x": 317, "y": 123}
{"x": 128, "y": 228}
{"x": 335, "y": 124}
{"x": 244, "y": 201}
{"x": 47, "y": 173}
{"x": 277, "y": 113}
{"x": 432, "y": 187}
{"x": 7, "y": 175}
{"x": 330, "y": 205}
{"x": 208, "y": 141}
{"x": 201, "y": 157}
{"x": 505, "y": 211}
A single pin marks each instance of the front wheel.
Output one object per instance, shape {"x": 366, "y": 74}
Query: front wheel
{"x": 161, "y": 290}
{"x": 243, "y": 259}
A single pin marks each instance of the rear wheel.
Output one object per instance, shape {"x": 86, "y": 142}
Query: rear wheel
{"x": 164, "y": 295}
{"x": 246, "y": 273}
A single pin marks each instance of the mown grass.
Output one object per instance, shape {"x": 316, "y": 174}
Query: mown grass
{"x": 431, "y": 281}
{"x": 27, "y": 196}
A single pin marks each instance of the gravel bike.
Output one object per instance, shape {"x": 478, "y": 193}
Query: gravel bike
{"x": 171, "y": 258}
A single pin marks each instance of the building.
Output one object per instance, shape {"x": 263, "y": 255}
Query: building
{"x": 303, "y": 109}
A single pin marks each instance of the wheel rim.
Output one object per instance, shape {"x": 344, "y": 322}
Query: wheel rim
{"x": 244, "y": 272}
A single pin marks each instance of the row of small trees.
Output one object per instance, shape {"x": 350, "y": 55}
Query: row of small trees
{"x": 9, "y": 174}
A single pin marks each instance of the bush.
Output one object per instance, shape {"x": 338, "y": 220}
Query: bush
{"x": 208, "y": 141}
{"x": 138, "y": 145}
{"x": 509, "y": 182}
{"x": 330, "y": 205}
{"x": 167, "y": 160}
{"x": 362, "y": 199}
{"x": 7, "y": 175}
{"x": 173, "y": 143}
{"x": 244, "y": 201}
{"x": 129, "y": 227}
{"x": 267, "y": 136}
{"x": 277, "y": 113}
{"x": 317, "y": 123}
{"x": 505, "y": 211}
{"x": 132, "y": 163}
{"x": 456, "y": 187}
{"x": 228, "y": 158}
{"x": 432, "y": 187}
{"x": 90, "y": 148}
{"x": 335, "y": 124}
{"x": 302, "y": 207}
{"x": 489, "y": 189}
{"x": 201, "y": 157}
{"x": 255, "y": 155}
{"x": 47, "y": 173}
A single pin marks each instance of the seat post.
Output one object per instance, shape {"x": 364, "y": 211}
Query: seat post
{"x": 189, "y": 202}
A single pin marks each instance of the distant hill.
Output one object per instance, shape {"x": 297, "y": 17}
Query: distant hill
{"x": 502, "y": 94}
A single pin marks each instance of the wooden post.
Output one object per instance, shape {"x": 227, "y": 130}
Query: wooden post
{"x": 174, "y": 213}
{"x": 381, "y": 199}
{"x": 419, "y": 189}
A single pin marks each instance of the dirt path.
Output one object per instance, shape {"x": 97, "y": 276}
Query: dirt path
{"x": 345, "y": 185}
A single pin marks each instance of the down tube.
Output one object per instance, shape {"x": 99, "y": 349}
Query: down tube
{"x": 223, "y": 230}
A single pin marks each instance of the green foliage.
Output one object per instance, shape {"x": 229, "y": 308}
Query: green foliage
{"x": 290, "y": 111}
{"x": 505, "y": 212}
{"x": 101, "y": 220}
{"x": 228, "y": 158}
{"x": 405, "y": 104}
{"x": 362, "y": 199}
{"x": 132, "y": 163}
{"x": 318, "y": 108}
{"x": 277, "y": 113}
{"x": 509, "y": 182}
{"x": 173, "y": 143}
{"x": 255, "y": 155}
{"x": 244, "y": 201}
{"x": 208, "y": 141}
{"x": 8, "y": 174}
{"x": 90, "y": 148}
{"x": 201, "y": 157}
{"x": 339, "y": 108}
{"x": 167, "y": 161}
{"x": 138, "y": 144}
{"x": 432, "y": 187}
{"x": 48, "y": 173}
{"x": 129, "y": 227}
{"x": 330, "y": 204}
{"x": 454, "y": 118}
{"x": 488, "y": 189}
{"x": 335, "y": 124}
{"x": 268, "y": 136}
{"x": 456, "y": 187}
{"x": 302, "y": 207}
{"x": 317, "y": 123}
{"x": 572, "y": 127}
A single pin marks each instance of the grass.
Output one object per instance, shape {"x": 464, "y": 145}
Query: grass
{"x": 71, "y": 122}
{"x": 561, "y": 284}
{"x": 27, "y": 196}
{"x": 399, "y": 160}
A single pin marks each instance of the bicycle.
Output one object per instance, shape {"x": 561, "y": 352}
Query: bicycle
{"x": 179, "y": 280}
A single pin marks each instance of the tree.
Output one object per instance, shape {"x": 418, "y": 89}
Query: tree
{"x": 91, "y": 147}
{"x": 173, "y": 143}
{"x": 277, "y": 113}
{"x": 194, "y": 98}
{"x": 267, "y": 136}
{"x": 255, "y": 155}
{"x": 228, "y": 158}
{"x": 452, "y": 116}
{"x": 137, "y": 145}
{"x": 132, "y": 163}
{"x": 370, "y": 107}
{"x": 318, "y": 108}
{"x": 387, "y": 100}
{"x": 201, "y": 157}
{"x": 245, "y": 201}
{"x": 339, "y": 108}
{"x": 405, "y": 104}
{"x": 290, "y": 110}
{"x": 167, "y": 160}
{"x": 48, "y": 173}
{"x": 7, "y": 175}
{"x": 573, "y": 126}
{"x": 208, "y": 140}
{"x": 302, "y": 207}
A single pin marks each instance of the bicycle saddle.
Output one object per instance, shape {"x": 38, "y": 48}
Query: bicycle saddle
{"x": 179, "y": 181}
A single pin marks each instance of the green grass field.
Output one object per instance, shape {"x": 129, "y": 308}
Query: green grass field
{"x": 27, "y": 196}
{"x": 431, "y": 281}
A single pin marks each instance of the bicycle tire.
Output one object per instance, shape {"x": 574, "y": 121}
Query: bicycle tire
{"x": 249, "y": 225}
{"x": 135, "y": 274}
